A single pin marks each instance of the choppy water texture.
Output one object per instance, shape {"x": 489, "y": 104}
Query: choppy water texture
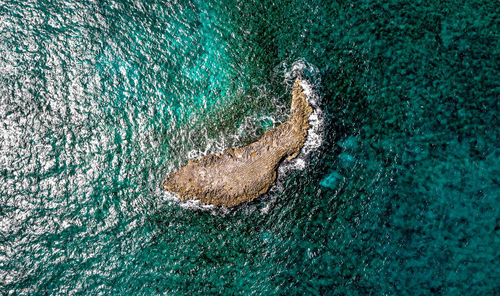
{"x": 100, "y": 100}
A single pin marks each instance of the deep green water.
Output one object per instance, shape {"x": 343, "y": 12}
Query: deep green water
{"x": 100, "y": 100}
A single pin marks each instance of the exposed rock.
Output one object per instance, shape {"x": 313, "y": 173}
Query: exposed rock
{"x": 242, "y": 174}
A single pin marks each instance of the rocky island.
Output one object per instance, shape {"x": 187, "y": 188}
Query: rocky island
{"x": 242, "y": 174}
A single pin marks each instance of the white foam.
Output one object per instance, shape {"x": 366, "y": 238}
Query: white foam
{"x": 314, "y": 134}
{"x": 248, "y": 128}
{"x": 185, "y": 204}
{"x": 316, "y": 120}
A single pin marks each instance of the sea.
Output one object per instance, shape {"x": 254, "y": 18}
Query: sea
{"x": 396, "y": 192}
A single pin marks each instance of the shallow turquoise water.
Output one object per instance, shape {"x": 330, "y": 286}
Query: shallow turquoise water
{"x": 100, "y": 100}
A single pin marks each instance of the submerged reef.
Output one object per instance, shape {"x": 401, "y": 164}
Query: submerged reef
{"x": 239, "y": 175}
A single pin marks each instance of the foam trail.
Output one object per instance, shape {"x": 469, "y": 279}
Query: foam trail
{"x": 314, "y": 135}
{"x": 250, "y": 123}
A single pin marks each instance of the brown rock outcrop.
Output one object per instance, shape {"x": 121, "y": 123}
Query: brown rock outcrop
{"x": 242, "y": 174}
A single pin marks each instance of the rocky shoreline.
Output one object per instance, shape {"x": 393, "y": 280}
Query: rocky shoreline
{"x": 239, "y": 175}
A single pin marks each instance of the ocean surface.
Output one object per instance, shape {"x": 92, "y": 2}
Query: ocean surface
{"x": 398, "y": 192}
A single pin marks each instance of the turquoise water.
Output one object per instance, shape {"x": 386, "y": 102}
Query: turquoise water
{"x": 100, "y": 100}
